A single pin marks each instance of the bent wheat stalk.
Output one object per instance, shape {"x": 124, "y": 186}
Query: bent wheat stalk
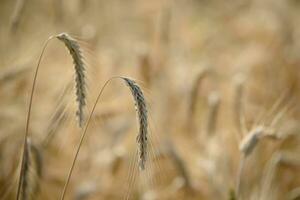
{"x": 76, "y": 53}
{"x": 142, "y": 138}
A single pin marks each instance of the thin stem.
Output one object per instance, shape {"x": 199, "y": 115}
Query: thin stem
{"x": 28, "y": 118}
{"x": 83, "y": 136}
{"x": 239, "y": 176}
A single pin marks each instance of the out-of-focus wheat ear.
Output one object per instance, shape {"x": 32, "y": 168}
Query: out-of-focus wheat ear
{"x": 239, "y": 81}
{"x": 141, "y": 109}
{"x": 232, "y": 195}
{"x": 16, "y": 15}
{"x": 248, "y": 144}
{"x": 294, "y": 194}
{"x": 79, "y": 66}
{"x": 145, "y": 68}
{"x": 195, "y": 92}
{"x": 32, "y": 172}
{"x": 213, "y": 108}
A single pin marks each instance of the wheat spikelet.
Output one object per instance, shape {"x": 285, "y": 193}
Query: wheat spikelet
{"x": 141, "y": 109}
{"x": 79, "y": 66}
{"x": 32, "y": 172}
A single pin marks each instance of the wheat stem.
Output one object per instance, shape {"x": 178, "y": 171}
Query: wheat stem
{"x": 28, "y": 118}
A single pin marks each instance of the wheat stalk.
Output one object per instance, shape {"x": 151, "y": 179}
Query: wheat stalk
{"x": 142, "y": 139}
{"x": 79, "y": 67}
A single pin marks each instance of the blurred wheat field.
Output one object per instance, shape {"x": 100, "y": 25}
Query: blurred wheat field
{"x": 220, "y": 81}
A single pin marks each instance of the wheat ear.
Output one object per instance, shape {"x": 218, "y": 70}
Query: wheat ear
{"x": 79, "y": 66}
{"x": 32, "y": 172}
{"x": 141, "y": 109}
{"x": 143, "y": 125}
{"x": 80, "y": 91}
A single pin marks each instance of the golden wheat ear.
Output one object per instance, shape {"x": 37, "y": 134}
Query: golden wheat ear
{"x": 79, "y": 66}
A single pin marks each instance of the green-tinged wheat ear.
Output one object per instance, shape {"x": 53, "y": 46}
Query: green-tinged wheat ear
{"x": 141, "y": 110}
{"x": 79, "y": 66}
{"x": 232, "y": 195}
{"x": 32, "y": 172}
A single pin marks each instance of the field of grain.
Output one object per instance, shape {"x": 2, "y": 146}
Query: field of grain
{"x": 150, "y": 100}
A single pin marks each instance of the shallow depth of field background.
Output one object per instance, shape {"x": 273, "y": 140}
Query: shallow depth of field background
{"x": 164, "y": 45}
